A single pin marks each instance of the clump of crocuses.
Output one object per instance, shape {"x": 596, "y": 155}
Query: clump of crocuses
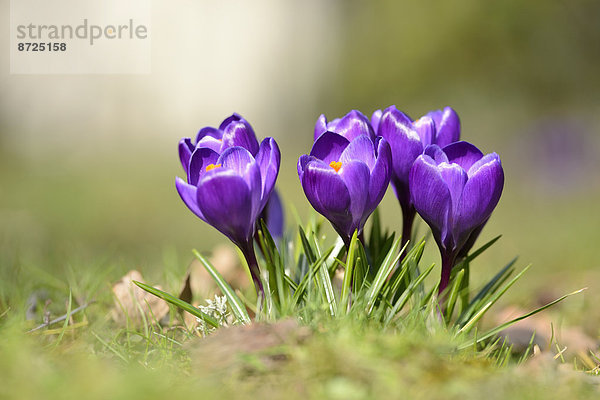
{"x": 346, "y": 173}
{"x": 455, "y": 189}
{"x": 230, "y": 178}
{"x": 408, "y": 139}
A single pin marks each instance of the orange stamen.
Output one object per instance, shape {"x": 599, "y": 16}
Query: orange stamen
{"x": 212, "y": 166}
{"x": 336, "y": 165}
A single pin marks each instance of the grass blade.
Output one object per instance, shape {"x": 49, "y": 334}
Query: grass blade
{"x": 237, "y": 306}
{"x": 179, "y": 303}
{"x": 499, "y": 328}
{"x": 384, "y": 271}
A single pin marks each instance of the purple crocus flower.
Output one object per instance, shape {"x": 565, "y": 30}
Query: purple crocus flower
{"x": 228, "y": 184}
{"x": 274, "y": 217}
{"x": 346, "y": 175}
{"x": 455, "y": 190}
{"x": 408, "y": 139}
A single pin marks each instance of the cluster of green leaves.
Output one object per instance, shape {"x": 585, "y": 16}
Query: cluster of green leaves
{"x": 373, "y": 279}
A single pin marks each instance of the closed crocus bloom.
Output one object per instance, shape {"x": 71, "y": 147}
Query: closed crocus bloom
{"x": 408, "y": 139}
{"x": 230, "y": 189}
{"x": 274, "y": 217}
{"x": 455, "y": 190}
{"x": 350, "y": 126}
{"x": 344, "y": 180}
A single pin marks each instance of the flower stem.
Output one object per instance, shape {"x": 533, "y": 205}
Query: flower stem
{"x": 248, "y": 251}
{"x": 447, "y": 264}
{"x": 408, "y": 218}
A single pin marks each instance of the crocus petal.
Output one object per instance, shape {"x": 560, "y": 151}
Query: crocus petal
{"x": 447, "y": 126}
{"x": 434, "y": 151}
{"x": 430, "y": 194}
{"x": 361, "y": 149}
{"x": 188, "y": 194}
{"x": 225, "y": 201}
{"x": 240, "y": 160}
{"x": 480, "y": 196}
{"x": 210, "y": 142}
{"x": 481, "y": 162}
{"x": 455, "y": 178}
{"x": 320, "y": 126}
{"x": 375, "y": 118}
{"x": 185, "y": 153}
{"x": 463, "y": 154}
{"x": 233, "y": 117}
{"x": 240, "y": 133}
{"x": 425, "y": 128}
{"x": 396, "y": 128}
{"x": 380, "y": 174}
{"x": 352, "y": 125}
{"x": 327, "y": 193}
{"x": 329, "y": 147}
{"x": 273, "y": 215}
{"x": 356, "y": 175}
{"x": 302, "y": 161}
{"x": 268, "y": 159}
{"x": 208, "y": 132}
{"x": 201, "y": 158}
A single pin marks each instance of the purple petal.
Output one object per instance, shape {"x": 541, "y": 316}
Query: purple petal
{"x": 375, "y": 118}
{"x": 211, "y": 143}
{"x": 455, "y": 178}
{"x": 356, "y": 176}
{"x": 480, "y": 196}
{"x": 239, "y": 160}
{"x": 380, "y": 175}
{"x": 327, "y": 193}
{"x": 240, "y": 133}
{"x": 483, "y": 161}
{"x": 274, "y": 216}
{"x": 447, "y": 126}
{"x": 185, "y": 153}
{"x": 302, "y": 161}
{"x": 352, "y": 125}
{"x": 463, "y": 154}
{"x": 233, "y": 117}
{"x": 209, "y": 132}
{"x": 188, "y": 194}
{"x": 320, "y": 126}
{"x": 425, "y": 128}
{"x": 360, "y": 149}
{"x": 404, "y": 142}
{"x": 329, "y": 147}
{"x": 226, "y": 203}
{"x": 434, "y": 151}
{"x": 268, "y": 159}
{"x": 201, "y": 158}
{"x": 430, "y": 195}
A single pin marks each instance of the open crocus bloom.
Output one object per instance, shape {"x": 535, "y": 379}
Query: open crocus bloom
{"x": 344, "y": 180}
{"x": 230, "y": 190}
{"x": 455, "y": 190}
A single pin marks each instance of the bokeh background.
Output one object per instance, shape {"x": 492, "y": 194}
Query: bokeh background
{"x": 88, "y": 162}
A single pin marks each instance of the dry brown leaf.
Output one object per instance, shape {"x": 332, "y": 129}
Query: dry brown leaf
{"x": 131, "y": 301}
{"x": 225, "y": 259}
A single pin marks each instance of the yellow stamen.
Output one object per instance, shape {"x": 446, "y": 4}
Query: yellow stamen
{"x": 212, "y": 166}
{"x": 336, "y": 165}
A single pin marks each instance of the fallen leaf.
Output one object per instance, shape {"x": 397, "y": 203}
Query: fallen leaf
{"x": 132, "y": 302}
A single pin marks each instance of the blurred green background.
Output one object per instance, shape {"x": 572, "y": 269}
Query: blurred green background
{"x": 88, "y": 162}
